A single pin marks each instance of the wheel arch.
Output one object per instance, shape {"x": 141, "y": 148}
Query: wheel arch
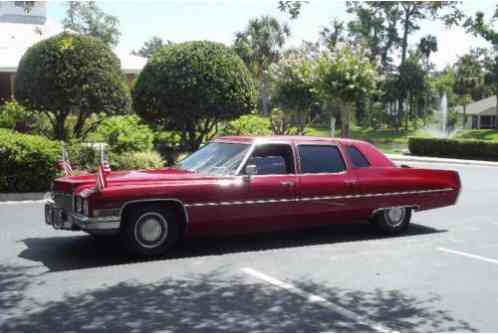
{"x": 170, "y": 203}
{"x": 413, "y": 207}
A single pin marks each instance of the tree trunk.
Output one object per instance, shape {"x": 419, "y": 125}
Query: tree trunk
{"x": 464, "y": 115}
{"x": 345, "y": 116}
{"x": 59, "y": 128}
{"x": 264, "y": 95}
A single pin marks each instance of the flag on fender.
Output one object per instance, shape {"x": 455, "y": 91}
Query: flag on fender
{"x": 101, "y": 180}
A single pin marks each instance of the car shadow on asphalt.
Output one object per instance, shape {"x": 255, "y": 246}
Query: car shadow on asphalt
{"x": 80, "y": 252}
{"x": 218, "y": 301}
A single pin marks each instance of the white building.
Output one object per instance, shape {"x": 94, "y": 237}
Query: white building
{"x": 21, "y": 28}
{"x": 480, "y": 114}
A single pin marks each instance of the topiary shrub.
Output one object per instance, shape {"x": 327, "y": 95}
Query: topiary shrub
{"x": 452, "y": 148}
{"x": 27, "y": 162}
{"x": 71, "y": 74}
{"x": 136, "y": 160}
{"x": 188, "y": 88}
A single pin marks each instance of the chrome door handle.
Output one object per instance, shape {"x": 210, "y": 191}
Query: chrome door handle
{"x": 287, "y": 183}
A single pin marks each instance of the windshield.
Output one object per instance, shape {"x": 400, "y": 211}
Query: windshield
{"x": 216, "y": 159}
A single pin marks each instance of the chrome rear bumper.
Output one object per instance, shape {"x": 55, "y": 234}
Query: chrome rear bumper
{"x": 60, "y": 219}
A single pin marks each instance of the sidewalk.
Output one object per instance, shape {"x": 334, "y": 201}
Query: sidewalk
{"x": 412, "y": 158}
{"x": 6, "y": 198}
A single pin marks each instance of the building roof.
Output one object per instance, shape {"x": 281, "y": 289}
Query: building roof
{"x": 482, "y": 107}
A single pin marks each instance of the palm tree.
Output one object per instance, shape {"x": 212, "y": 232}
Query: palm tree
{"x": 259, "y": 46}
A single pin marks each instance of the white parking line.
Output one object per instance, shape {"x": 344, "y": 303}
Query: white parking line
{"x": 472, "y": 256}
{"x": 311, "y": 298}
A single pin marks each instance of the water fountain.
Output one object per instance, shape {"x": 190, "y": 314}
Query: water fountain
{"x": 443, "y": 109}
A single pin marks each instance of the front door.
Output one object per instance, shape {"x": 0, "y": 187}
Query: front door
{"x": 265, "y": 200}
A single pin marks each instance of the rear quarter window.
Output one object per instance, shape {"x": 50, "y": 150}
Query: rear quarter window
{"x": 357, "y": 158}
{"x": 320, "y": 159}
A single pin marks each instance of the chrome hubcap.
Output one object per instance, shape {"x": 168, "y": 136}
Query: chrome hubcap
{"x": 395, "y": 216}
{"x": 151, "y": 230}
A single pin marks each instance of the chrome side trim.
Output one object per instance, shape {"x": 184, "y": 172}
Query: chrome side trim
{"x": 316, "y": 198}
{"x": 157, "y": 200}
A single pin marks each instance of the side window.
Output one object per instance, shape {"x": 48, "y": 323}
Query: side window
{"x": 357, "y": 158}
{"x": 273, "y": 159}
{"x": 321, "y": 159}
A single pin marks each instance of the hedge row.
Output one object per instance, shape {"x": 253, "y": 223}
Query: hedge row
{"x": 26, "y": 162}
{"x": 452, "y": 148}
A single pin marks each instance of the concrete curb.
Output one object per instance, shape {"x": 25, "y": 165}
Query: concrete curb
{"x": 411, "y": 158}
{"x": 19, "y": 197}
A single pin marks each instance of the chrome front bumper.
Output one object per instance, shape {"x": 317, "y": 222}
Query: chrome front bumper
{"x": 60, "y": 219}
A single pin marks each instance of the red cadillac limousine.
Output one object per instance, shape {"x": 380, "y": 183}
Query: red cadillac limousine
{"x": 248, "y": 184}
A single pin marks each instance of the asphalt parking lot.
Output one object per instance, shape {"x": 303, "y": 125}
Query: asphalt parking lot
{"x": 441, "y": 276}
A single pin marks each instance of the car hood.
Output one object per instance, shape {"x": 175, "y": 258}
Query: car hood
{"x": 69, "y": 184}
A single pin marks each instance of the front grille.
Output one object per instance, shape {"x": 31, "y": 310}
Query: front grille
{"x": 64, "y": 201}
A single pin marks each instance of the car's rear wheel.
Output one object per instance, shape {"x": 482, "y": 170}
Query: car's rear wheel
{"x": 394, "y": 220}
{"x": 149, "y": 230}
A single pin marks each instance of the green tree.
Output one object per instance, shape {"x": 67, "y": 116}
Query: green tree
{"x": 71, "y": 75}
{"x": 343, "y": 76}
{"x": 412, "y": 82}
{"x": 333, "y": 34}
{"x": 87, "y": 18}
{"x": 150, "y": 47}
{"x": 479, "y": 27}
{"x": 469, "y": 76}
{"x": 293, "y": 8}
{"x": 375, "y": 25}
{"x": 259, "y": 46}
{"x": 189, "y": 88}
{"x": 295, "y": 79}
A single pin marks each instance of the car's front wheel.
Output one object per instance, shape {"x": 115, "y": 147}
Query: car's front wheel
{"x": 149, "y": 230}
{"x": 394, "y": 220}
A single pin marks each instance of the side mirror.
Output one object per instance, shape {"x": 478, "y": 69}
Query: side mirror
{"x": 251, "y": 170}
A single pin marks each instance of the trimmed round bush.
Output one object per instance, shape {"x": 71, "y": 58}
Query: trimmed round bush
{"x": 190, "y": 87}
{"x": 71, "y": 74}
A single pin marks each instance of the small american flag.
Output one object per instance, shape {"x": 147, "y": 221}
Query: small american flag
{"x": 64, "y": 164}
{"x": 101, "y": 181}
{"x": 106, "y": 167}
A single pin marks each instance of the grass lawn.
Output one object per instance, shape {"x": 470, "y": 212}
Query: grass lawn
{"x": 478, "y": 134}
{"x": 387, "y": 140}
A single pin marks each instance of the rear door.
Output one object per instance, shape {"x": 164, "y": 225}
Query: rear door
{"x": 326, "y": 185}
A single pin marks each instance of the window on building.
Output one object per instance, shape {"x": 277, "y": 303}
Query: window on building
{"x": 488, "y": 122}
{"x": 321, "y": 159}
{"x": 357, "y": 158}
